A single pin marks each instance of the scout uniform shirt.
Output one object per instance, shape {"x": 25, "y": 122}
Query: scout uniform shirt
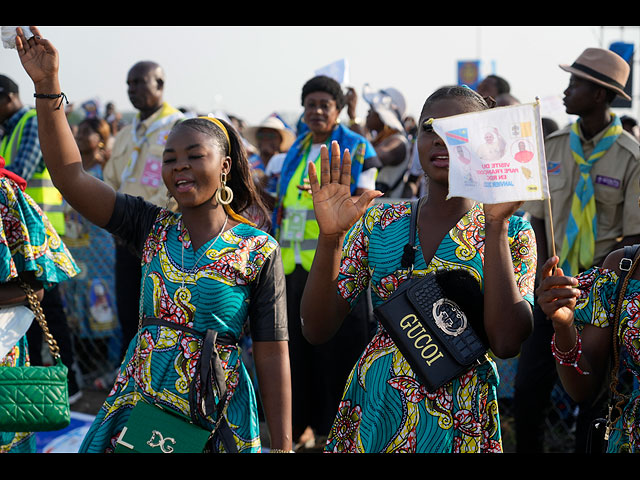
{"x": 135, "y": 166}
{"x": 615, "y": 177}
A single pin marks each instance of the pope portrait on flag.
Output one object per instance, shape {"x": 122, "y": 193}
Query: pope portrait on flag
{"x": 496, "y": 155}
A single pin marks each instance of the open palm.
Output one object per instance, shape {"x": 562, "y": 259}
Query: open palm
{"x": 335, "y": 208}
{"x": 38, "y": 56}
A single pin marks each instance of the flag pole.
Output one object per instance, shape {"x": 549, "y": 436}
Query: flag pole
{"x": 553, "y": 242}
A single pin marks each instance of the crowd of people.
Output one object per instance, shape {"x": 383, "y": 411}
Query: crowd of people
{"x": 240, "y": 265}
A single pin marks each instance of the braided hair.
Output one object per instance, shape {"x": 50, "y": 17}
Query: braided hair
{"x": 461, "y": 92}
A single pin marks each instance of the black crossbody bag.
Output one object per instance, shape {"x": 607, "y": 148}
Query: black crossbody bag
{"x": 440, "y": 338}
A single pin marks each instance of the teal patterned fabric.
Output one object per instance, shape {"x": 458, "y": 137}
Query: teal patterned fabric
{"x": 596, "y": 306}
{"x": 385, "y": 408}
{"x": 225, "y": 270}
{"x": 28, "y": 243}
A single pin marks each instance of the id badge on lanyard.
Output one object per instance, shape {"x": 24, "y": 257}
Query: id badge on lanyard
{"x": 294, "y": 224}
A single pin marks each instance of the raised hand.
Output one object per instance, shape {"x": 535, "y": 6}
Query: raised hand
{"x": 557, "y": 294}
{"x": 38, "y": 56}
{"x": 335, "y": 208}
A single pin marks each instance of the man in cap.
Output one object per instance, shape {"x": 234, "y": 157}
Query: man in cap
{"x": 135, "y": 168}
{"x": 593, "y": 167}
{"x": 20, "y": 148}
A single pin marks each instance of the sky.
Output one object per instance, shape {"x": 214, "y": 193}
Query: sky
{"x": 253, "y": 71}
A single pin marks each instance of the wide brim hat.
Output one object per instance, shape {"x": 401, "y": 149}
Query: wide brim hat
{"x": 603, "y": 67}
{"x": 388, "y": 103}
{"x": 273, "y": 122}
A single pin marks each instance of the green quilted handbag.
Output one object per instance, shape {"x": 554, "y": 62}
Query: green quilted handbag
{"x": 35, "y": 399}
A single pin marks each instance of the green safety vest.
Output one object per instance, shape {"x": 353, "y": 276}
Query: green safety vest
{"x": 40, "y": 187}
{"x": 295, "y": 199}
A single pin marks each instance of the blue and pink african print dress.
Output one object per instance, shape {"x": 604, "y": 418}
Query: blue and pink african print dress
{"x": 596, "y": 306}
{"x": 225, "y": 285}
{"x": 384, "y": 407}
{"x": 28, "y": 243}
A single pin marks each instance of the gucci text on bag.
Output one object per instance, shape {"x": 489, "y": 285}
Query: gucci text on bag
{"x": 448, "y": 318}
{"x": 431, "y": 331}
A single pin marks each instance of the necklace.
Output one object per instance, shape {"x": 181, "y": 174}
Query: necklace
{"x": 205, "y": 250}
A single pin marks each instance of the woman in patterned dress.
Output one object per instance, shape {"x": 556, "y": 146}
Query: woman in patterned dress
{"x": 581, "y": 310}
{"x": 30, "y": 251}
{"x": 385, "y": 408}
{"x": 206, "y": 269}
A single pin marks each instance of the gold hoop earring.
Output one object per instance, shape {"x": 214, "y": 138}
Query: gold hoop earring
{"x": 224, "y": 194}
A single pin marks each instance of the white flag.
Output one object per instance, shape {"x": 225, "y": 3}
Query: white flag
{"x": 496, "y": 155}
{"x": 338, "y": 70}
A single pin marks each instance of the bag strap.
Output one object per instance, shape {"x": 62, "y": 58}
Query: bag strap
{"x": 630, "y": 252}
{"x": 627, "y": 266}
{"x": 221, "y": 338}
{"x": 409, "y": 254}
{"x": 209, "y": 365}
{"x": 210, "y": 368}
{"x": 36, "y": 308}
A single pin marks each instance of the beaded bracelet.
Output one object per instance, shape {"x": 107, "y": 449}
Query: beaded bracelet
{"x": 570, "y": 358}
{"x": 60, "y": 95}
{"x": 279, "y": 450}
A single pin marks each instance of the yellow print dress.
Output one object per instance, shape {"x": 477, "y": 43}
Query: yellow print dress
{"x": 384, "y": 407}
